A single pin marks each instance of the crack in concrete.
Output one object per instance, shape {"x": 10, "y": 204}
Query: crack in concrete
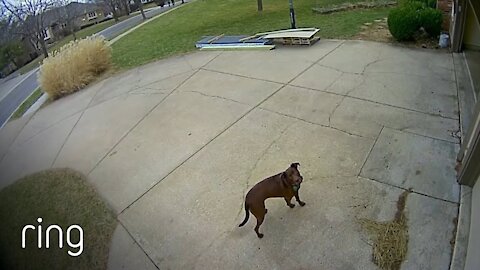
{"x": 370, "y": 152}
{"x": 147, "y": 86}
{"x": 146, "y": 93}
{"x": 317, "y": 124}
{"x": 262, "y": 155}
{"x": 339, "y": 70}
{"x": 241, "y": 76}
{"x": 369, "y": 64}
{"x": 343, "y": 98}
{"x": 215, "y": 96}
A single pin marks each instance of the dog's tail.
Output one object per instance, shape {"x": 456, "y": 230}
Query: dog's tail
{"x": 247, "y": 215}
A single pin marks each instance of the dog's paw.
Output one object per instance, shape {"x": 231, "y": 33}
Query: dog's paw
{"x": 260, "y": 235}
{"x": 302, "y": 203}
{"x": 291, "y": 205}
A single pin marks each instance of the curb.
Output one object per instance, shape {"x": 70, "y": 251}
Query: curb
{"x": 23, "y": 101}
{"x": 35, "y": 106}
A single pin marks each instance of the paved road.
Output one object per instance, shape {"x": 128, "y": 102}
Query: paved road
{"x": 29, "y": 83}
{"x": 11, "y": 102}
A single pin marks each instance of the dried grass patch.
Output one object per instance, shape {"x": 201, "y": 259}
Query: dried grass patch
{"x": 74, "y": 66}
{"x": 390, "y": 238}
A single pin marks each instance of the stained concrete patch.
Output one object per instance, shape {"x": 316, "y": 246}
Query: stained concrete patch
{"x": 57, "y": 111}
{"x": 216, "y": 180}
{"x": 430, "y": 229}
{"x": 413, "y": 161}
{"x": 309, "y": 105}
{"x": 241, "y": 89}
{"x": 279, "y": 65}
{"x": 9, "y": 132}
{"x": 100, "y": 128}
{"x": 177, "y": 128}
{"x": 126, "y": 254}
{"x": 411, "y": 92}
{"x": 367, "y": 118}
{"x": 35, "y": 154}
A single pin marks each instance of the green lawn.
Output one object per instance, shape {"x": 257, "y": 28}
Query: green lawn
{"x": 178, "y": 31}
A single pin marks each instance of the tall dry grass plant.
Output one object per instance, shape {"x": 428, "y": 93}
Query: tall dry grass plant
{"x": 74, "y": 66}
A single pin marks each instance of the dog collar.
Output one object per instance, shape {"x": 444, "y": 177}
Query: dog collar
{"x": 296, "y": 187}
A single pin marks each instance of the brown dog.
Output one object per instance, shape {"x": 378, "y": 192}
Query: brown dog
{"x": 285, "y": 184}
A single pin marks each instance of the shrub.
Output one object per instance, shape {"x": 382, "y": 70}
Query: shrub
{"x": 431, "y": 21}
{"x": 74, "y": 66}
{"x": 403, "y": 21}
{"x": 426, "y": 3}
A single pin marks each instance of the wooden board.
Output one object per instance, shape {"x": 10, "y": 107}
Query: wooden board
{"x": 240, "y": 46}
{"x": 293, "y": 34}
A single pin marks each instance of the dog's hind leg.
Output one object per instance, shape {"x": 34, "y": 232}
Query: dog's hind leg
{"x": 259, "y": 222}
{"x": 259, "y": 213}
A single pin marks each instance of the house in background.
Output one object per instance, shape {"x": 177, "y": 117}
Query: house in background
{"x": 60, "y": 20}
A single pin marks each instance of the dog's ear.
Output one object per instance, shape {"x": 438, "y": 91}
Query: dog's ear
{"x": 295, "y": 165}
{"x": 284, "y": 175}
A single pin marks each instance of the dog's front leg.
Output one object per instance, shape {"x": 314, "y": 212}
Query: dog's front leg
{"x": 287, "y": 200}
{"x": 297, "y": 197}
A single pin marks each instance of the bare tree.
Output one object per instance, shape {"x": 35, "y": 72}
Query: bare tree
{"x": 140, "y": 6}
{"x": 67, "y": 13}
{"x": 30, "y": 16}
{"x": 125, "y": 6}
{"x": 112, "y": 5}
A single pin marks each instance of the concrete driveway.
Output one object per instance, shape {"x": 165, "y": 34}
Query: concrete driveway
{"x": 173, "y": 146}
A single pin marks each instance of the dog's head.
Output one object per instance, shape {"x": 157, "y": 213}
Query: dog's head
{"x": 293, "y": 175}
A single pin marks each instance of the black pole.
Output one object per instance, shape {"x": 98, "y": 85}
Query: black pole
{"x": 292, "y": 14}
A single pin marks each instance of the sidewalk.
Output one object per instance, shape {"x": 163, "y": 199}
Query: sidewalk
{"x": 173, "y": 147}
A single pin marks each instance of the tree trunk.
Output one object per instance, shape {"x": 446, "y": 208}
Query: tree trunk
{"x": 72, "y": 29}
{"x": 140, "y": 6}
{"x": 44, "y": 47}
{"x": 115, "y": 15}
{"x": 260, "y": 5}
{"x": 126, "y": 7}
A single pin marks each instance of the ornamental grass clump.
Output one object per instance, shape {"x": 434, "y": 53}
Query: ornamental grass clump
{"x": 74, "y": 66}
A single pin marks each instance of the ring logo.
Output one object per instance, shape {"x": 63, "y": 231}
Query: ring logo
{"x": 78, "y": 245}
